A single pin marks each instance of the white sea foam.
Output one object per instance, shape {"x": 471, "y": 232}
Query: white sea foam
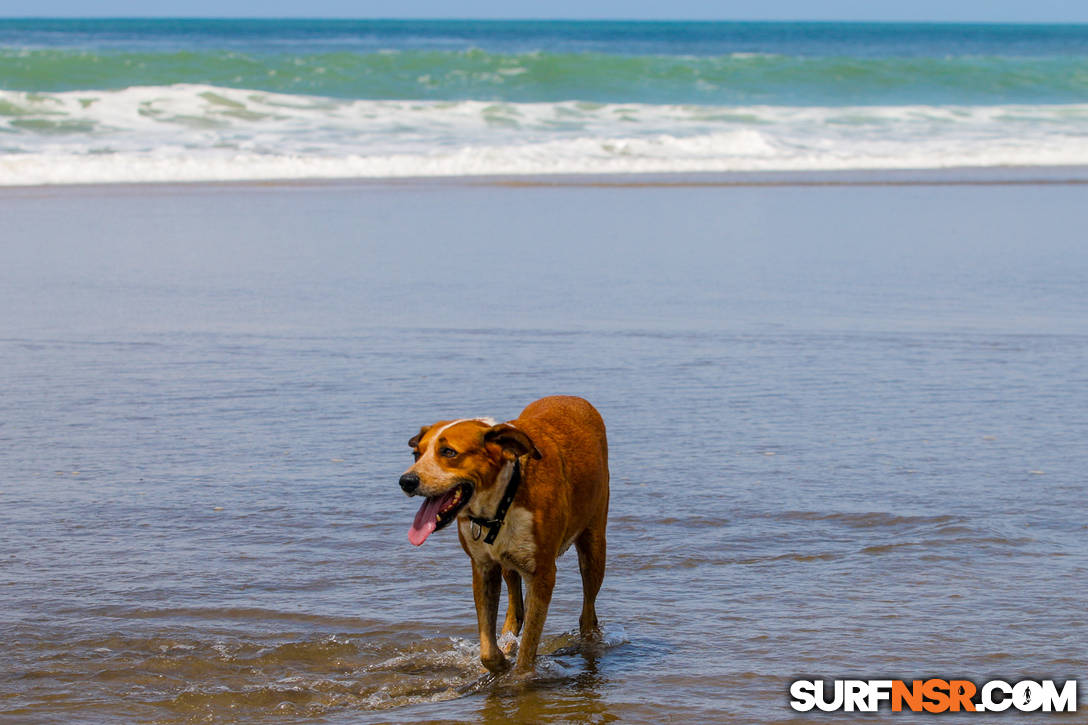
{"x": 204, "y": 133}
{"x": 613, "y": 635}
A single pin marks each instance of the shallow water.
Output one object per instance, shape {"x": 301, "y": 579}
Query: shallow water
{"x": 846, "y": 430}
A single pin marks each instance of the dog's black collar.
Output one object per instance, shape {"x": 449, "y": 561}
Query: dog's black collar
{"x": 493, "y": 525}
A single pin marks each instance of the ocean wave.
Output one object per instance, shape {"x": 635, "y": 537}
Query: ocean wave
{"x": 204, "y": 133}
{"x": 741, "y": 78}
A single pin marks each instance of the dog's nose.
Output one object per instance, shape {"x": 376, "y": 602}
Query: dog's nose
{"x": 409, "y": 482}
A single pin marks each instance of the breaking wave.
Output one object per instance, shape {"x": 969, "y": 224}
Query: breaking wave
{"x": 191, "y": 132}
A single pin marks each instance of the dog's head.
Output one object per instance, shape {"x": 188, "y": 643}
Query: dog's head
{"x": 454, "y": 461}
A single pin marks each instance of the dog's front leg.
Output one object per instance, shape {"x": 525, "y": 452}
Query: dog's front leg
{"x": 486, "y": 586}
{"x": 540, "y": 596}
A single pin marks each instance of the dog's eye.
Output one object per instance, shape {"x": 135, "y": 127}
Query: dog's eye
{"x": 447, "y": 452}
{"x": 416, "y": 455}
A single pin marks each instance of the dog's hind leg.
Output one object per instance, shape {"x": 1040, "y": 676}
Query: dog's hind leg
{"x": 515, "y": 609}
{"x": 591, "y": 552}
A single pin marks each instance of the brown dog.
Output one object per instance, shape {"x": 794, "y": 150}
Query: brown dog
{"x": 521, "y": 492}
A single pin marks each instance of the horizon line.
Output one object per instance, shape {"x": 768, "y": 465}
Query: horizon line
{"x": 771, "y": 21}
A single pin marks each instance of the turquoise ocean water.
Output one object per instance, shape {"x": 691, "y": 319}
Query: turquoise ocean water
{"x": 814, "y": 64}
{"x": 122, "y": 100}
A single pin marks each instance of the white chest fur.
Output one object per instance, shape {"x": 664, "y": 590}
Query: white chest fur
{"x": 513, "y": 548}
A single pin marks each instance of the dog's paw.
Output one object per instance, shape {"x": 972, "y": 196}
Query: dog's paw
{"x": 497, "y": 663}
{"x": 520, "y": 676}
{"x": 591, "y": 635}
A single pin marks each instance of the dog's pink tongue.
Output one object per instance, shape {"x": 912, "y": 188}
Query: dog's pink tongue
{"x": 425, "y": 521}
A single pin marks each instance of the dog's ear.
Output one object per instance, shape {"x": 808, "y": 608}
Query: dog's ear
{"x": 414, "y": 441}
{"x": 511, "y": 439}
